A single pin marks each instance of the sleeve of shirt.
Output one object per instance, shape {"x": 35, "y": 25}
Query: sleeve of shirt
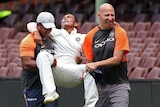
{"x": 121, "y": 40}
{"x": 87, "y": 45}
{"x": 55, "y": 32}
{"x": 32, "y": 27}
{"x": 27, "y": 46}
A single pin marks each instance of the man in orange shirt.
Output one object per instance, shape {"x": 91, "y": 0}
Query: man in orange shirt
{"x": 105, "y": 47}
{"x": 35, "y": 92}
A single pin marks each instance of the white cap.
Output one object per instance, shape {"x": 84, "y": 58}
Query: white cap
{"x": 46, "y": 19}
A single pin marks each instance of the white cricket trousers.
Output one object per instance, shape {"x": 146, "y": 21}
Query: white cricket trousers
{"x": 65, "y": 75}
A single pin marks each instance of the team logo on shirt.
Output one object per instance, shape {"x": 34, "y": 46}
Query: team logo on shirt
{"x": 96, "y": 41}
{"x": 102, "y": 43}
{"x": 78, "y": 38}
{"x": 99, "y": 45}
{"x": 111, "y": 34}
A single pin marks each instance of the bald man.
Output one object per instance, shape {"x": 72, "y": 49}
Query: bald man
{"x": 105, "y": 47}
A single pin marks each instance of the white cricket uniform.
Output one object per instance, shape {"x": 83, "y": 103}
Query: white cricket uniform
{"x": 66, "y": 73}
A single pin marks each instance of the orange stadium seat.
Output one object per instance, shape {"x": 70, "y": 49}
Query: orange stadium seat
{"x": 158, "y": 54}
{"x": 136, "y": 51}
{"x": 11, "y": 66}
{"x": 128, "y": 26}
{"x": 150, "y": 50}
{"x": 16, "y": 73}
{"x": 13, "y": 55}
{"x": 153, "y": 44}
{"x": 20, "y": 35}
{"x": 17, "y": 61}
{"x": 13, "y": 50}
{"x": 4, "y": 52}
{"x": 156, "y": 34}
{"x": 142, "y": 34}
{"x": 131, "y": 34}
{"x": 149, "y": 63}
{"x": 138, "y": 45}
{"x": 11, "y": 46}
{"x": 2, "y": 46}
{"x": 4, "y": 61}
{"x": 151, "y": 40}
{"x": 155, "y": 27}
{"x": 8, "y": 41}
{"x": 129, "y": 56}
{"x": 7, "y": 32}
{"x": 154, "y": 73}
{"x": 4, "y": 72}
{"x": 142, "y": 26}
{"x": 133, "y": 63}
{"x": 145, "y": 55}
{"x": 137, "y": 73}
{"x": 134, "y": 40}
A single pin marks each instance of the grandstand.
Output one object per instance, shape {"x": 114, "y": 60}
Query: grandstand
{"x": 140, "y": 18}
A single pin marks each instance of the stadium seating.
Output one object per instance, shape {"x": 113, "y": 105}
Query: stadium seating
{"x": 4, "y": 72}
{"x": 138, "y": 73}
{"x": 128, "y": 26}
{"x": 142, "y": 26}
{"x": 15, "y": 73}
{"x": 133, "y": 63}
{"x": 154, "y": 73}
{"x": 20, "y": 35}
{"x": 139, "y": 18}
{"x": 131, "y": 34}
{"x": 7, "y": 32}
{"x": 11, "y": 19}
{"x": 155, "y": 27}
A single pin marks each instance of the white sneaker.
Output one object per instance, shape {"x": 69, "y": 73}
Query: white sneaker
{"x": 51, "y": 97}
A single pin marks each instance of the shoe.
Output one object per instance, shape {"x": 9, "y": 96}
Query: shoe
{"x": 51, "y": 97}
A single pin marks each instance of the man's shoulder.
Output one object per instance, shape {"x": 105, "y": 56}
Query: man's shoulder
{"x": 28, "y": 39}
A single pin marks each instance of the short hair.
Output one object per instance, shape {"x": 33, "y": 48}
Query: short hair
{"x": 76, "y": 20}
